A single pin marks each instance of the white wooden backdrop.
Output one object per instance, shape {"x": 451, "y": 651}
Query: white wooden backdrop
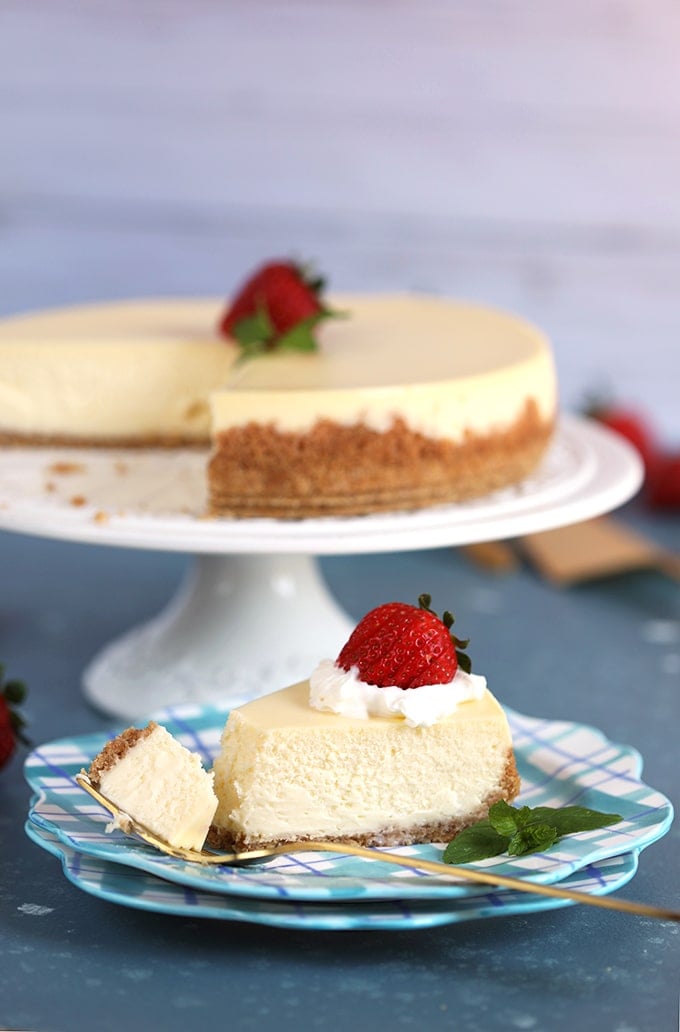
{"x": 526, "y": 154}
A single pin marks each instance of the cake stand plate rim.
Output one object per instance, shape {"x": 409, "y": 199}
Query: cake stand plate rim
{"x": 604, "y": 472}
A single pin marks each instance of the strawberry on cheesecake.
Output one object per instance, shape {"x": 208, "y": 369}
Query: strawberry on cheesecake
{"x": 395, "y": 742}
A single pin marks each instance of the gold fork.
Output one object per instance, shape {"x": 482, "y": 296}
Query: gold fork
{"x": 483, "y": 877}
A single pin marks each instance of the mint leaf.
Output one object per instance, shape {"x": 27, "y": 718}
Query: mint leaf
{"x": 522, "y": 830}
{"x": 475, "y": 843}
{"x": 569, "y": 820}
{"x": 503, "y": 818}
{"x": 525, "y": 815}
{"x": 532, "y": 838}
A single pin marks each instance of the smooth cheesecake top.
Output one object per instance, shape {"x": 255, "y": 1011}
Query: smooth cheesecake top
{"x": 289, "y": 708}
{"x": 150, "y": 366}
{"x": 108, "y": 323}
{"x": 138, "y": 370}
{"x": 446, "y": 368}
{"x": 400, "y": 340}
{"x": 375, "y": 341}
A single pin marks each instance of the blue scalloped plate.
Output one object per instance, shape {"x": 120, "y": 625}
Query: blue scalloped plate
{"x": 130, "y": 887}
{"x": 559, "y": 763}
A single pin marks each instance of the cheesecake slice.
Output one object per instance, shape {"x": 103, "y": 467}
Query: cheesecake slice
{"x": 289, "y": 772}
{"x": 394, "y": 742}
{"x": 151, "y": 777}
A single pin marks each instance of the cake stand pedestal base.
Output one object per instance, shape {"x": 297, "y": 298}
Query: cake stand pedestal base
{"x": 239, "y": 626}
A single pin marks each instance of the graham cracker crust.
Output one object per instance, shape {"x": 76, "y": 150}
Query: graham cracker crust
{"x": 433, "y": 831}
{"x": 10, "y": 439}
{"x": 114, "y": 750}
{"x": 257, "y": 470}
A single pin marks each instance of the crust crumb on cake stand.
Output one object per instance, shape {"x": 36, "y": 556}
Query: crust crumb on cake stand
{"x": 205, "y": 646}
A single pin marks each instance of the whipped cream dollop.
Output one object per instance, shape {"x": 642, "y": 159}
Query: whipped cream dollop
{"x": 341, "y": 691}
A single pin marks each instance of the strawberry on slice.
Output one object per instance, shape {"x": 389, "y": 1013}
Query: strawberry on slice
{"x": 403, "y": 645}
{"x": 11, "y": 723}
{"x": 279, "y": 306}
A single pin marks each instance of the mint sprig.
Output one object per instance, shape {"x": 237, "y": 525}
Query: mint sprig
{"x": 521, "y": 830}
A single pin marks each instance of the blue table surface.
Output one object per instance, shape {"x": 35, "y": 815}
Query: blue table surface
{"x": 605, "y": 653}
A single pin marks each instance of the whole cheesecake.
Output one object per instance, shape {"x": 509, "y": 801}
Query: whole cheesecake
{"x": 407, "y": 402}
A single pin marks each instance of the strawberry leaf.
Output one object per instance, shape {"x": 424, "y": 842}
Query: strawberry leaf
{"x": 254, "y": 329}
{"x": 18, "y": 724}
{"x": 448, "y": 619}
{"x": 464, "y": 661}
{"x": 313, "y": 280}
{"x": 301, "y": 336}
{"x": 14, "y": 691}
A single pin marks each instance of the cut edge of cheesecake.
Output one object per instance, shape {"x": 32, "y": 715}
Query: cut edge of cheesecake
{"x": 429, "y": 831}
{"x": 257, "y": 471}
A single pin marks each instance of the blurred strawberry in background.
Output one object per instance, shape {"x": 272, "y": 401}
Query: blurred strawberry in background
{"x": 663, "y": 485}
{"x": 11, "y": 722}
{"x": 662, "y": 468}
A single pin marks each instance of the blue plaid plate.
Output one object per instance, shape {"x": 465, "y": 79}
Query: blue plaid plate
{"x": 125, "y": 885}
{"x": 559, "y": 763}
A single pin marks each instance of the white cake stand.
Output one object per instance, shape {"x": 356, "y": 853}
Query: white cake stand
{"x": 255, "y": 581}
